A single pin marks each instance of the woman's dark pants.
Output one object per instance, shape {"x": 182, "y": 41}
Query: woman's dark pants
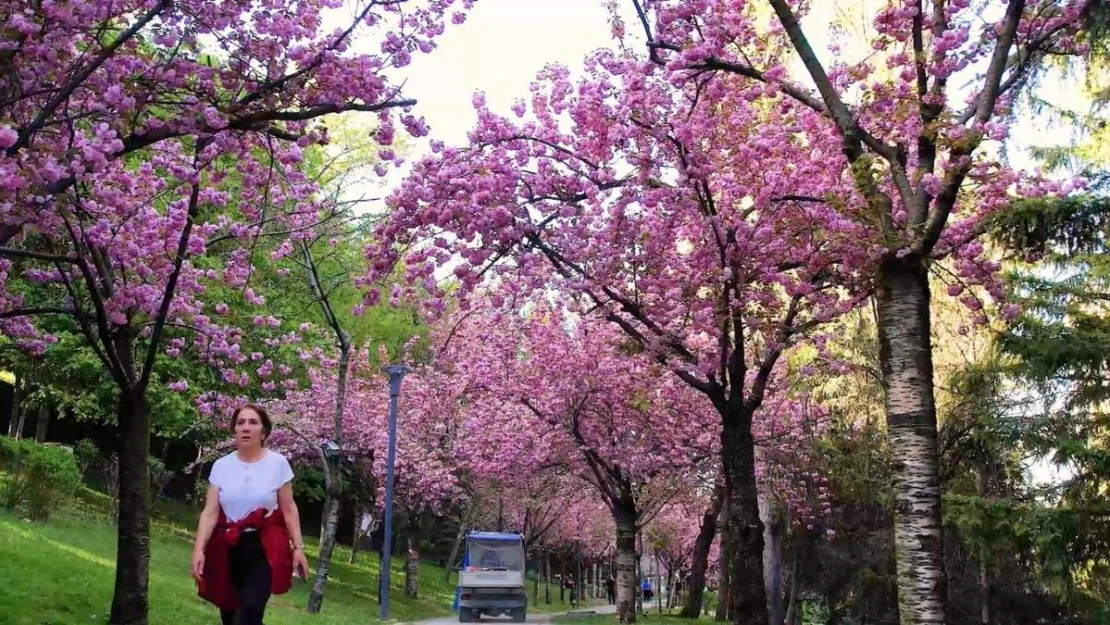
{"x": 250, "y": 572}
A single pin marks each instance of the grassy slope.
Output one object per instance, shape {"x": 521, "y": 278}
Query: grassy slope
{"x": 62, "y": 572}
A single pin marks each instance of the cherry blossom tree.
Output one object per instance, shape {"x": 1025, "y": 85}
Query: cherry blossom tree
{"x": 921, "y": 159}
{"x": 548, "y": 389}
{"x": 626, "y": 195}
{"x": 704, "y": 202}
{"x": 118, "y": 124}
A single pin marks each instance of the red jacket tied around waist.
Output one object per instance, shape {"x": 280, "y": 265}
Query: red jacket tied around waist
{"x": 217, "y": 586}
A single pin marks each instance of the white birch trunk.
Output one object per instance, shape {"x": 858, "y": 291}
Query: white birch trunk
{"x": 905, "y": 354}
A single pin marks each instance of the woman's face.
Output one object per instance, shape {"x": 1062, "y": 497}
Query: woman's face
{"x": 249, "y": 431}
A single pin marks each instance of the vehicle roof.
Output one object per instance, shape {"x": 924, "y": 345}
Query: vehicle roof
{"x": 506, "y": 537}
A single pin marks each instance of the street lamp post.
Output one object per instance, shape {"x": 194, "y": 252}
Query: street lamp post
{"x": 396, "y": 373}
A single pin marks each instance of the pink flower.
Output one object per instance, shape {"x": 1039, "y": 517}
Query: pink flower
{"x": 8, "y": 137}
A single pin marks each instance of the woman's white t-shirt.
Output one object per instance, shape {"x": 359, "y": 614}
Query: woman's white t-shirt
{"x": 248, "y": 486}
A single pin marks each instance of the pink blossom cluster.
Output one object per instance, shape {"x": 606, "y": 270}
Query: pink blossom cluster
{"x": 149, "y": 147}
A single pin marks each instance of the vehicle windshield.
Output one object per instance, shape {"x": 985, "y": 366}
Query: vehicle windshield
{"x": 495, "y": 555}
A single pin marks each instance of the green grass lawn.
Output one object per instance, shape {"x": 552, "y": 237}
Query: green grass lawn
{"x": 62, "y": 572}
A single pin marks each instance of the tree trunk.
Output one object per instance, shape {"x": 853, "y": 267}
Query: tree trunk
{"x": 327, "y": 546}
{"x": 672, "y": 590}
{"x": 563, "y": 582}
{"x": 905, "y": 354}
{"x": 536, "y": 583}
{"x": 412, "y": 565}
{"x": 695, "y": 593}
{"x": 791, "y": 617}
{"x": 42, "y": 422}
{"x": 19, "y": 426}
{"x": 639, "y": 572}
{"x": 15, "y": 421}
{"x": 984, "y": 562}
{"x": 722, "y": 564}
{"x": 747, "y": 597}
{"x": 772, "y": 561}
{"x": 658, "y": 585}
{"x": 334, "y": 477}
{"x": 363, "y": 512}
{"x": 627, "y": 587}
{"x": 547, "y": 578}
{"x": 356, "y": 531}
{"x": 578, "y": 585}
{"x": 464, "y": 525}
{"x": 591, "y": 580}
{"x": 130, "y": 599}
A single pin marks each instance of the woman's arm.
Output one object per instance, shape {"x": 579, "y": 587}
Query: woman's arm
{"x": 293, "y": 526}
{"x": 207, "y": 523}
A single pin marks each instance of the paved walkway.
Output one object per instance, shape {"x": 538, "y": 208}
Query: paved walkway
{"x": 532, "y": 618}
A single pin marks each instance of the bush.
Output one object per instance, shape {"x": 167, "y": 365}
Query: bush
{"x": 39, "y": 477}
{"x": 86, "y": 453}
{"x": 159, "y": 476}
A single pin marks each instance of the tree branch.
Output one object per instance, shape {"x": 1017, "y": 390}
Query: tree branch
{"x": 984, "y": 108}
{"x": 80, "y": 77}
{"x": 169, "y": 291}
{"x": 50, "y": 258}
{"x": 34, "y": 310}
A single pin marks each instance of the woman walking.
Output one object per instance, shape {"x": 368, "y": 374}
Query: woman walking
{"x": 248, "y": 543}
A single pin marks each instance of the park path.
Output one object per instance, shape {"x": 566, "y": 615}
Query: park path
{"x": 532, "y": 618}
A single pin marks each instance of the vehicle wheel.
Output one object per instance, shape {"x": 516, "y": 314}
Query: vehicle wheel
{"x": 520, "y": 616}
{"x": 466, "y": 615}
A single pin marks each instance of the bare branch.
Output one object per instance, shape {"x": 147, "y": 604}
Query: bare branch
{"x": 33, "y": 311}
{"x": 50, "y": 258}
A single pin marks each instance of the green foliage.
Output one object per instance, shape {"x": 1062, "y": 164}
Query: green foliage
{"x": 159, "y": 475}
{"x": 86, "y": 454}
{"x": 39, "y": 477}
{"x": 1068, "y": 226}
{"x": 309, "y": 485}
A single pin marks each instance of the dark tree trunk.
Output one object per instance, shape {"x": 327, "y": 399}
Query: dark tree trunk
{"x": 412, "y": 564}
{"x": 130, "y": 598}
{"x": 578, "y": 581}
{"x": 772, "y": 561}
{"x": 563, "y": 582}
{"x": 547, "y": 578}
{"x": 15, "y": 421}
{"x": 536, "y": 583}
{"x": 747, "y": 596}
{"x": 42, "y": 422}
{"x": 464, "y": 525}
{"x": 984, "y": 560}
{"x": 791, "y": 617}
{"x": 695, "y": 592}
{"x": 628, "y": 590}
{"x": 905, "y": 354}
{"x": 722, "y": 564}
{"x": 327, "y": 547}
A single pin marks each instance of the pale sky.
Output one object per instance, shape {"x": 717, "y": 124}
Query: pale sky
{"x": 499, "y": 50}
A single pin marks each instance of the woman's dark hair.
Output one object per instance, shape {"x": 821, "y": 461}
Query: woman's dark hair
{"x": 267, "y": 424}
